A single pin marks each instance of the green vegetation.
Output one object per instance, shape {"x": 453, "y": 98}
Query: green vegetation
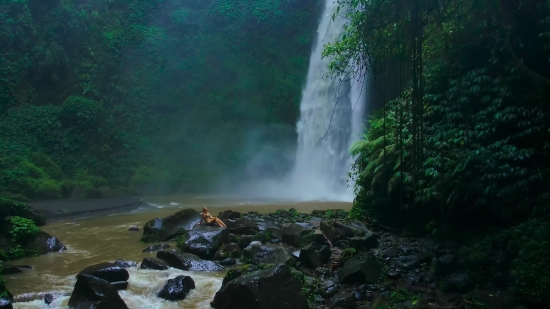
{"x": 461, "y": 139}
{"x": 103, "y": 98}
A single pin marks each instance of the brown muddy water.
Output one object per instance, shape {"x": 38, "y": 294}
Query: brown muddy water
{"x": 106, "y": 238}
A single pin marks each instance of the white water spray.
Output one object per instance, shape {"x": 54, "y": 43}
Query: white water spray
{"x": 330, "y": 121}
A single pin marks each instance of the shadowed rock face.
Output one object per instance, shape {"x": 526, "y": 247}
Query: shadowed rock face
{"x": 204, "y": 241}
{"x": 187, "y": 261}
{"x": 93, "y": 292}
{"x": 149, "y": 263}
{"x": 160, "y": 229}
{"x": 271, "y": 288}
{"x": 360, "y": 268}
{"x": 270, "y": 254}
{"x": 45, "y": 243}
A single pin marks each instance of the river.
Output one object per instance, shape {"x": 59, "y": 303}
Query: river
{"x": 106, "y": 238}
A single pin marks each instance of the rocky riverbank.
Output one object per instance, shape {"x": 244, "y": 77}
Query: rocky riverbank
{"x": 289, "y": 260}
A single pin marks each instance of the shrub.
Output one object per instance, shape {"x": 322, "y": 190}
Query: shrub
{"x": 48, "y": 165}
{"x": 21, "y": 230}
{"x": 47, "y": 188}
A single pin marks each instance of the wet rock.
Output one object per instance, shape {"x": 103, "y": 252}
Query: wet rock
{"x": 134, "y": 229}
{"x": 93, "y": 292}
{"x": 457, "y": 283}
{"x": 228, "y": 251}
{"x": 45, "y": 243}
{"x": 204, "y": 240}
{"x": 328, "y": 230}
{"x": 177, "y": 288}
{"x": 13, "y": 269}
{"x": 392, "y": 252}
{"x": 267, "y": 254}
{"x": 363, "y": 242}
{"x": 329, "y": 288}
{"x": 48, "y": 298}
{"x": 110, "y": 272}
{"x": 228, "y": 262}
{"x": 315, "y": 255}
{"x": 120, "y": 285}
{"x": 6, "y": 301}
{"x": 187, "y": 261}
{"x": 149, "y": 263}
{"x": 412, "y": 261}
{"x": 271, "y": 288}
{"x": 246, "y": 226}
{"x": 393, "y": 274}
{"x": 125, "y": 264}
{"x": 343, "y": 300}
{"x": 229, "y": 214}
{"x": 156, "y": 247}
{"x": 360, "y": 268}
{"x": 162, "y": 229}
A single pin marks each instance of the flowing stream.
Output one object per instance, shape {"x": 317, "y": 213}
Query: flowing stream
{"x": 106, "y": 238}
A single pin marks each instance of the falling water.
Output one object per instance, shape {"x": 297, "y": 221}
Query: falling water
{"x": 330, "y": 121}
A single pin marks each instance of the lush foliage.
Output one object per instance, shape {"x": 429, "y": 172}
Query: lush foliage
{"x": 157, "y": 96}
{"x": 462, "y": 139}
{"x": 18, "y": 228}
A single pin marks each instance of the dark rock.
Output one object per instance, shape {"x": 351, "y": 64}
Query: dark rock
{"x": 204, "y": 240}
{"x": 457, "y": 283}
{"x": 329, "y": 288}
{"x": 187, "y": 261}
{"x": 363, "y": 242}
{"x": 93, "y": 292}
{"x": 301, "y": 234}
{"x": 328, "y": 230}
{"x": 315, "y": 255}
{"x": 48, "y": 298}
{"x": 229, "y": 214}
{"x": 134, "y": 229}
{"x": 110, "y": 272}
{"x": 343, "y": 300}
{"x": 177, "y": 288}
{"x": 245, "y": 226}
{"x": 268, "y": 254}
{"x": 149, "y": 263}
{"x": 392, "y": 252}
{"x": 412, "y": 261}
{"x": 392, "y": 274}
{"x": 125, "y": 264}
{"x": 13, "y": 269}
{"x": 156, "y": 247}
{"x": 245, "y": 240}
{"x": 228, "y": 251}
{"x": 120, "y": 285}
{"x": 161, "y": 229}
{"x": 45, "y": 243}
{"x": 360, "y": 268}
{"x": 228, "y": 262}
{"x": 445, "y": 264}
{"x": 271, "y": 288}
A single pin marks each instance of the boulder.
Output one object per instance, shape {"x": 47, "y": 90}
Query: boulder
{"x": 258, "y": 253}
{"x": 177, "y": 288}
{"x": 110, "y": 272}
{"x": 245, "y": 226}
{"x": 228, "y": 262}
{"x": 300, "y": 234}
{"x": 229, "y": 214}
{"x": 204, "y": 240}
{"x": 445, "y": 264}
{"x": 187, "y": 261}
{"x": 133, "y": 229}
{"x": 245, "y": 240}
{"x": 392, "y": 252}
{"x": 328, "y": 230}
{"x": 48, "y": 298}
{"x": 13, "y": 269}
{"x": 93, "y": 292}
{"x": 45, "y": 243}
{"x": 362, "y": 268}
{"x": 270, "y": 288}
{"x": 125, "y": 264}
{"x": 120, "y": 285}
{"x": 156, "y": 247}
{"x": 412, "y": 261}
{"x": 352, "y": 229}
{"x": 149, "y": 263}
{"x": 315, "y": 255}
{"x": 228, "y": 251}
{"x": 162, "y": 229}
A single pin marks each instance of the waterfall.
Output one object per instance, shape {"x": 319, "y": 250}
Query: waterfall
{"x": 331, "y": 113}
